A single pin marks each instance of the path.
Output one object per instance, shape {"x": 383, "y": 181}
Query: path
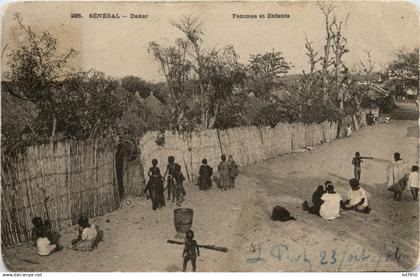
{"x": 135, "y": 236}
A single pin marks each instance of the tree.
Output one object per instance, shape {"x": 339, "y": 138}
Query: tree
{"x": 85, "y": 107}
{"x": 223, "y": 72}
{"x": 191, "y": 27}
{"x": 403, "y": 71}
{"x": 36, "y": 69}
{"x": 327, "y": 8}
{"x": 263, "y": 72}
{"x": 176, "y": 68}
{"x": 136, "y": 84}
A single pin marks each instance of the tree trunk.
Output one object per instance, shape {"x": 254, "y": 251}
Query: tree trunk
{"x": 362, "y": 118}
{"x": 339, "y": 128}
{"x": 53, "y": 130}
{"x": 355, "y": 123}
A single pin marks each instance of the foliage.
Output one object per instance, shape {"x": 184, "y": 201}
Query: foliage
{"x": 35, "y": 65}
{"x": 229, "y": 115}
{"x": 224, "y": 73}
{"x": 136, "y": 84}
{"x": 263, "y": 72}
{"x": 403, "y": 72}
{"x": 271, "y": 114}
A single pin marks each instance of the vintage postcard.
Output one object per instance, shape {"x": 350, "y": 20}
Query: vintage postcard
{"x": 209, "y": 136}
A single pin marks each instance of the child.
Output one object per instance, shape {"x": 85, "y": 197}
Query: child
{"x": 357, "y": 161}
{"x": 413, "y": 181}
{"x": 44, "y": 245}
{"x": 40, "y": 225}
{"x": 330, "y": 208}
{"x": 356, "y": 198}
{"x": 191, "y": 251}
{"x": 89, "y": 236}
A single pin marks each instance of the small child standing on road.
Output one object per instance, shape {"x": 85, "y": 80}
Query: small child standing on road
{"x": 413, "y": 181}
{"x": 191, "y": 251}
{"x": 357, "y": 161}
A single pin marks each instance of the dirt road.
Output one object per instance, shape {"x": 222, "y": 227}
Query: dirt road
{"x": 385, "y": 240}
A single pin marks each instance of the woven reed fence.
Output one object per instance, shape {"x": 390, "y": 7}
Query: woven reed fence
{"x": 246, "y": 144}
{"x": 77, "y": 177}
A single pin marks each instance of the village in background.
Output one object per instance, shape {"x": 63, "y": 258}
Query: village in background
{"x": 84, "y": 140}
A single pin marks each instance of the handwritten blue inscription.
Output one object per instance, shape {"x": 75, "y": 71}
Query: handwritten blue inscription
{"x": 282, "y": 253}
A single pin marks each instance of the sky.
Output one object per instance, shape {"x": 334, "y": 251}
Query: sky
{"x": 118, "y": 47}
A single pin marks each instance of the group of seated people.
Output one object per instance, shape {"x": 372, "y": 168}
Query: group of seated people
{"x": 327, "y": 203}
{"x": 47, "y": 240}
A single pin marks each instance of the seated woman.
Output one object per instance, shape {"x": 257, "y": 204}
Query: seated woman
{"x": 356, "y": 198}
{"x": 316, "y": 201}
{"x": 330, "y": 208}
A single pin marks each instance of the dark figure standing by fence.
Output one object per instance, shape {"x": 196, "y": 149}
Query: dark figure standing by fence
{"x": 179, "y": 191}
{"x": 233, "y": 171}
{"x": 155, "y": 186}
{"x": 205, "y": 176}
{"x": 191, "y": 251}
{"x": 224, "y": 179}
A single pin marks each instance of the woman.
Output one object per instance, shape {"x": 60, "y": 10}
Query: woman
{"x": 330, "y": 208}
{"x": 316, "y": 200}
{"x": 205, "y": 175}
{"x": 224, "y": 180}
{"x": 397, "y": 176}
{"x": 233, "y": 171}
{"x": 155, "y": 186}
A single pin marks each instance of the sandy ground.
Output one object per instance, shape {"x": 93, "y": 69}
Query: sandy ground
{"x": 385, "y": 240}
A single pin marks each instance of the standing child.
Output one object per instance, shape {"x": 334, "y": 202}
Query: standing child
{"x": 357, "y": 161}
{"x": 89, "y": 236}
{"x": 413, "y": 181}
{"x": 191, "y": 251}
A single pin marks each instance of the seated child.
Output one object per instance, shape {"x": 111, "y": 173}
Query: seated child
{"x": 44, "y": 245}
{"x": 89, "y": 236}
{"x": 330, "y": 208}
{"x": 413, "y": 181}
{"x": 39, "y": 224}
{"x": 356, "y": 198}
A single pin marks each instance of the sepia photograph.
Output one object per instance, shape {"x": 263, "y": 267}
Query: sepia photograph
{"x": 210, "y": 136}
